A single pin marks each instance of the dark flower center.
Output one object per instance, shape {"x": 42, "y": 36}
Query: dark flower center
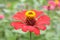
{"x": 30, "y": 13}
{"x": 30, "y": 21}
{"x": 30, "y": 18}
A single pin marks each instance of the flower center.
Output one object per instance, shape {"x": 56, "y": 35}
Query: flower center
{"x": 30, "y": 14}
{"x": 49, "y": 6}
{"x": 30, "y": 18}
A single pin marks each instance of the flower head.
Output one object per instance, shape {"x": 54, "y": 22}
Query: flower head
{"x": 31, "y": 20}
{"x": 1, "y": 16}
{"x": 52, "y": 5}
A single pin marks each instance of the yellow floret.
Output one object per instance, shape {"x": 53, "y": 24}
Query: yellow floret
{"x": 30, "y": 14}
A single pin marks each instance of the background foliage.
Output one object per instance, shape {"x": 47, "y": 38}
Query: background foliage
{"x": 7, "y": 32}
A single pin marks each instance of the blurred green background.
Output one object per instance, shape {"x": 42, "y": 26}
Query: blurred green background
{"x": 9, "y": 7}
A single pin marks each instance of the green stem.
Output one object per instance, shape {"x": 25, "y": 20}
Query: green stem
{"x": 30, "y": 36}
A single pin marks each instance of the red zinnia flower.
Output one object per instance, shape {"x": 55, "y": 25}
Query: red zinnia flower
{"x": 32, "y": 21}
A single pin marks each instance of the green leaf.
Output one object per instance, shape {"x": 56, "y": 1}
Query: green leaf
{"x": 9, "y": 35}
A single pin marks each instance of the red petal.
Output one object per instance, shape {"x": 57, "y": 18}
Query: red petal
{"x": 44, "y": 20}
{"x": 31, "y": 28}
{"x": 19, "y": 15}
{"x": 36, "y": 31}
{"x": 25, "y": 28}
{"x": 38, "y": 13}
{"x": 16, "y": 25}
{"x": 41, "y": 27}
